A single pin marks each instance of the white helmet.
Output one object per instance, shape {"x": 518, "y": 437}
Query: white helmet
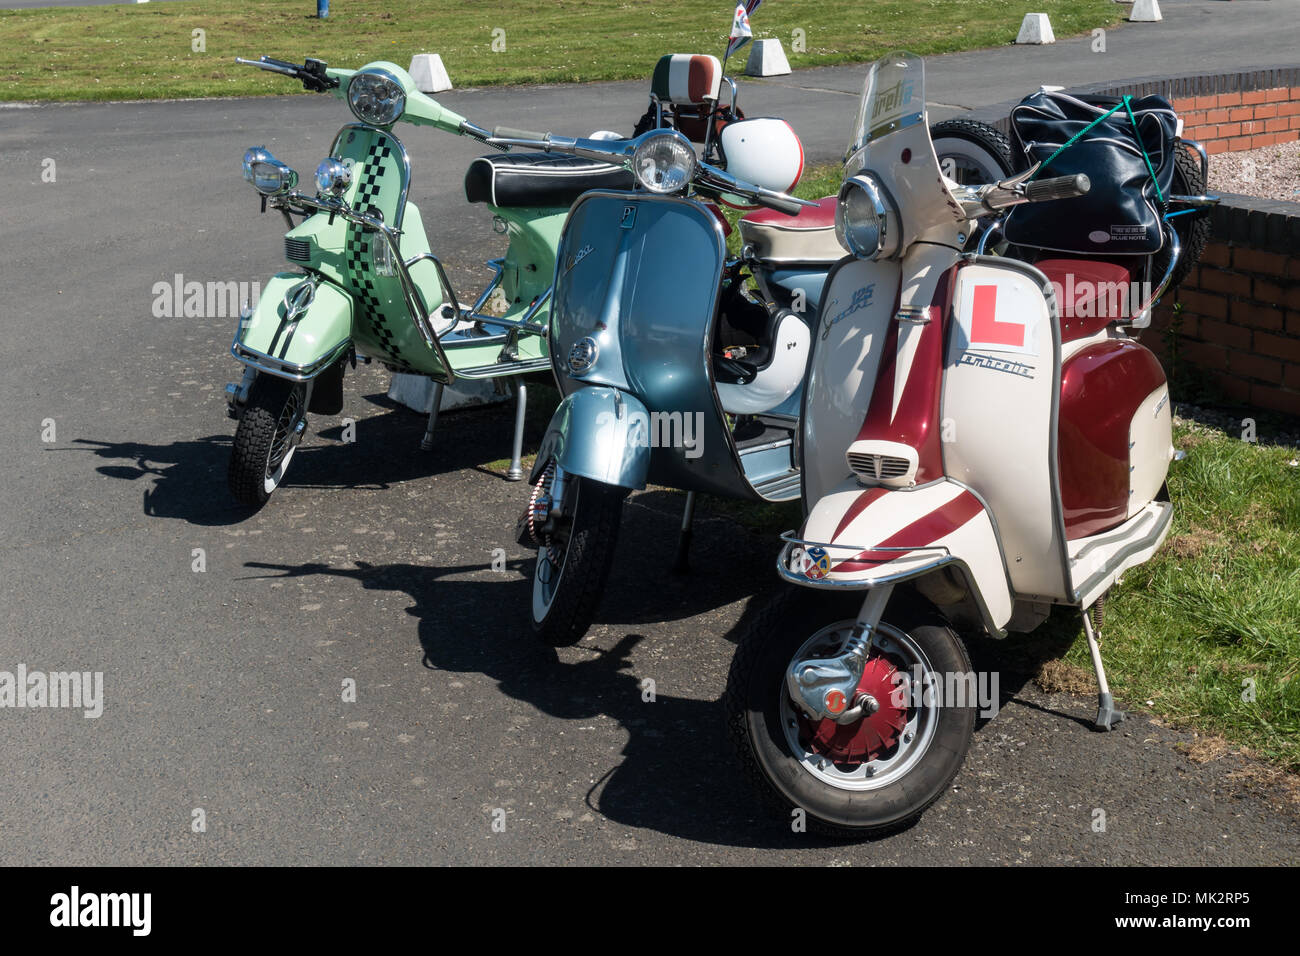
{"x": 765, "y": 152}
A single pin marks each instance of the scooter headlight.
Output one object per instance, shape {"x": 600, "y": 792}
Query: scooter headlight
{"x": 865, "y": 222}
{"x": 664, "y": 162}
{"x": 269, "y": 176}
{"x": 333, "y": 177}
{"x": 376, "y": 97}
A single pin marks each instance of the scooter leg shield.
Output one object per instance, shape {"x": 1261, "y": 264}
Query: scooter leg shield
{"x": 863, "y": 537}
{"x": 301, "y": 345}
{"x": 598, "y": 433}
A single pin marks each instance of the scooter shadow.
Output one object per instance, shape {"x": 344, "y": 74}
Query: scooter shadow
{"x": 190, "y": 476}
{"x": 677, "y": 773}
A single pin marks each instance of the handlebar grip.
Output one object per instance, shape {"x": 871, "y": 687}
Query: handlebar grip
{"x": 1061, "y": 187}
{"x": 507, "y": 132}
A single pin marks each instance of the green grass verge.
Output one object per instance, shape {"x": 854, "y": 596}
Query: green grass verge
{"x": 147, "y": 51}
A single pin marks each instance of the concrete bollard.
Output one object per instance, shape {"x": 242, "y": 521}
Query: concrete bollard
{"x": 1036, "y": 28}
{"x": 429, "y": 74}
{"x": 1145, "y": 11}
{"x": 767, "y": 58}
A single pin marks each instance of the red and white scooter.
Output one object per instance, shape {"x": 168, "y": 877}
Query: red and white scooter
{"x": 973, "y": 452}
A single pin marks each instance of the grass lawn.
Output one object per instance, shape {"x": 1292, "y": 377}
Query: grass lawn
{"x": 147, "y": 51}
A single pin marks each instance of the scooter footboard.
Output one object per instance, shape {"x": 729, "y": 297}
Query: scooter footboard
{"x": 598, "y": 433}
{"x": 860, "y": 538}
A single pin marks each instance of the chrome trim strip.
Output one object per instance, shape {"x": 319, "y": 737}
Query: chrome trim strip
{"x": 281, "y": 369}
{"x": 1162, "y": 523}
{"x": 502, "y": 369}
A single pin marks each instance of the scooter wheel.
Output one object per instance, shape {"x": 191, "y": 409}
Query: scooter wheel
{"x": 573, "y": 565}
{"x": 265, "y": 440}
{"x": 870, "y": 777}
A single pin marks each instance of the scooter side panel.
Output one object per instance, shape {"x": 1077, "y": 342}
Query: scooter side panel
{"x": 855, "y": 314}
{"x": 1000, "y": 408}
{"x": 868, "y": 536}
{"x": 312, "y": 337}
{"x": 598, "y": 433}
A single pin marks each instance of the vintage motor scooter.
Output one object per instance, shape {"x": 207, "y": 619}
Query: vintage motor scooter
{"x": 672, "y": 372}
{"x": 977, "y": 447}
{"x": 371, "y": 288}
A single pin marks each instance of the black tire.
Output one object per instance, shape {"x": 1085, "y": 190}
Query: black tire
{"x": 1193, "y": 228}
{"x": 585, "y": 557}
{"x": 753, "y": 701}
{"x": 258, "y": 457}
{"x": 976, "y": 152}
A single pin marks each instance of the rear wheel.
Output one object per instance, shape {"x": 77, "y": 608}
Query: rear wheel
{"x": 972, "y": 153}
{"x": 870, "y": 776}
{"x": 266, "y": 439}
{"x": 1193, "y": 228}
{"x": 574, "y": 556}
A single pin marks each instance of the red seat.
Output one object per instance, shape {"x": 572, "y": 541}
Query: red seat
{"x": 1090, "y": 294}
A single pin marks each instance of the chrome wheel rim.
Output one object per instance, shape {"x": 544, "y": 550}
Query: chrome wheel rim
{"x": 284, "y": 442}
{"x": 552, "y": 556}
{"x": 917, "y": 734}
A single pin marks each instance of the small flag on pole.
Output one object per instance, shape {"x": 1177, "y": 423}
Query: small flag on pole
{"x": 740, "y": 30}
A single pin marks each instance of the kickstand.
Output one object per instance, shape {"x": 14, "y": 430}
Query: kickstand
{"x": 682, "y": 563}
{"x": 516, "y": 472}
{"x": 426, "y": 443}
{"x": 1107, "y": 716}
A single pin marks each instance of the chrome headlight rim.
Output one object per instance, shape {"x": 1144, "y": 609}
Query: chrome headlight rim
{"x": 333, "y": 177}
{"x": 270, "y": 177}
{"x": 684, "y": 151}
{"x": 255, "y": 154}
{"x": 866, "y": 237}
{"x": 397, "y": 96}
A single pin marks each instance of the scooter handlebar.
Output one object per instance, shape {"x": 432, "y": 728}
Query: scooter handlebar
{"x": 508, "y": 132}
{"x": 1061, "y": 187}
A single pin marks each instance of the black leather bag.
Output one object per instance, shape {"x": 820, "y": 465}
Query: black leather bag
{"x": 1123, "y": 212}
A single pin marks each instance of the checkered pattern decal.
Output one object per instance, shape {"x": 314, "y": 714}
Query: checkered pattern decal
{"x": 370, "y": 310}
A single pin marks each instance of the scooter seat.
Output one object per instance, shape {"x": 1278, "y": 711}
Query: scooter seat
{"x": 808, "y": 237}
{"x": 1090, "y": 294}
{"x": 538, "y": 179}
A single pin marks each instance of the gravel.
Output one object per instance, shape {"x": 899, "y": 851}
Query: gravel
{"x": 1271, "y": 431}
{"x": 1270, "y": 172}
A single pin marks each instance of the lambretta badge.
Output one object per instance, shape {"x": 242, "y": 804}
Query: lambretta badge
{"x": 577, "y": 257}
{"x": 996, "y": 364}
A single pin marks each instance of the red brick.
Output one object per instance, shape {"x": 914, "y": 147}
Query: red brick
{"x": 1217, "y": 254}
{"x": 1239, "y": 113}
{"x": 1214, "y": 147}
{"x": 1262, "y": 140}
{"x": 1278, "y": 125}
{"x": 1231, "y": 386}
{"x": 1279, "y": 94}
{"x": 1183, "y": 103}
{"x": 1256, "y": 316}
{"x": 1226, "y": 282}
{"x": 1277, "y": 346}
{"x": 1199, "y": 303}
{"x": 1221, "y": 333}
{"x": 1293, "y": 267}
{"x": 1295, "y": 122}
{"x": 1228, "y": 99}
{"x": 1288, "y": 109}
{"x": 1291, "y": 376}
{"x": 1250, "y": 126}
{"x": 1254, "y": 96}
{"x": 1277, "y": 399}
{"x": 1204, "y": 355}
{"x": 1293, "y": 322}
{"x": 1249, "y": 365}
{"x": 1259, "y": 261}
{"x": 1265, "y": 111}
{"x": 1268, "y": 292}
{"x": 1228, "y": 130}
{"x": 1217, "y": 116}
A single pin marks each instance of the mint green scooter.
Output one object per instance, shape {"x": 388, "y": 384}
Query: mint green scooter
{"x": 368, "y": 285}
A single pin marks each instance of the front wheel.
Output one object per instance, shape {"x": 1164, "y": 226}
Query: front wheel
{"x": 863, "y": 778}
{"x": 574, "y": 556}
{"x": 266, "y": 439}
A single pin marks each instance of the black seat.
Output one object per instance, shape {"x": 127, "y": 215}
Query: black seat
{"x": 538, "y": 179}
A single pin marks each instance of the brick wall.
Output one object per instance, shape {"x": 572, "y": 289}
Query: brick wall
{"x": 1228, "y": 122}
{"x": 1238, "y": 330}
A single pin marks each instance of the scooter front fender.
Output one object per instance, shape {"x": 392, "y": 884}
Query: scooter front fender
{"x": 862, "y": 537}
{"x": 599, "y": 433}
{"x": 297, "y": 348}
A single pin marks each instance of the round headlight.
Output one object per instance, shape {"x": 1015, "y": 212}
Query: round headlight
{"x": 333, "y": 177}
{"x": 273, "y": 178}
{"x": 376, "y": 98}
{"x": 664, "y": 162}
{"x": 863, "y": 219}
{"x": 255, "y": 154}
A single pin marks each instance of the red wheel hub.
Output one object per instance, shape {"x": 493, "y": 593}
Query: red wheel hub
{"x": 865, "y": 740}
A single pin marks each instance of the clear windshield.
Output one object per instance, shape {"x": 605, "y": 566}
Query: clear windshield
{"x": 893, "y": 99}
{"x": 892, "y": 141}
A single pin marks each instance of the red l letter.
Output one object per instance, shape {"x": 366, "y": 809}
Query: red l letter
{"x": 984, "y": 326}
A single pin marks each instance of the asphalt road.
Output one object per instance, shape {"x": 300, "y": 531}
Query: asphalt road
{"x": 223, "y": 688}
